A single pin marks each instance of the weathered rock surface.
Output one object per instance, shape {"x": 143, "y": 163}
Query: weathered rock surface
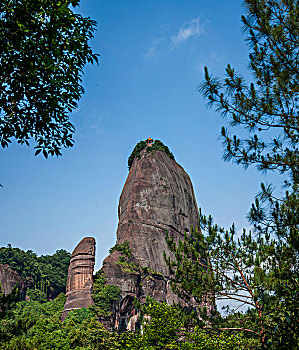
{"x": 80, "y": 276}
{"x": 157, "y": 196}
{"x": 9, "y": 279}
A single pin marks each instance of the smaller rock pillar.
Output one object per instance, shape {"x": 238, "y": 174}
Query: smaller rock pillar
{"x": 80, "y": 276}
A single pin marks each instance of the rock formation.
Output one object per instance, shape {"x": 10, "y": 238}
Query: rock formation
{"x": 9, "y": 279}
{"x": 157, "y": 196}
{"x": 80, "y": 276}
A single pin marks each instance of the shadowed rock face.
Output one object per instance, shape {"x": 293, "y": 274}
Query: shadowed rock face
{"x": 9, "y": 279}
{"x": 80, "y": 276}
{"x": 157, "y": 196}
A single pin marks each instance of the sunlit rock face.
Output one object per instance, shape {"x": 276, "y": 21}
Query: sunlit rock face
{"x": 80, "y": 276}
{"x": 10, "y": 279}
{"x": 157, "y": 196}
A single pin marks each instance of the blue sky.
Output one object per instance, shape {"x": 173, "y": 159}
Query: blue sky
{"x": 152, "y": 59}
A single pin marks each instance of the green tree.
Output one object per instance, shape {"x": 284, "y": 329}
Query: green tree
{"x": 240, "y": 269}
{"x": 164, "y": 328}
{"x": 260, "y": 269}
{"x": 104, "y": 295}
{"x": 266, "y": 107}
{"x": 7, "y": 302}
{"x": 44, "y": 47}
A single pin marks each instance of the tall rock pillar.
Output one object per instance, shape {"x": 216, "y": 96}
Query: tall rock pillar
{"x": 157, "y": 196}
{"x": 80, "y": 276}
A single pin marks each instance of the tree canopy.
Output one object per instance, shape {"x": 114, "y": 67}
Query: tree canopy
{"x": 44, "y": 47}
{"x": 260, "y": 268}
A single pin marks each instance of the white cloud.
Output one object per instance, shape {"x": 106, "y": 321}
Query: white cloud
{"x": 190, "y": 29}
{"x": 163, "y": 45}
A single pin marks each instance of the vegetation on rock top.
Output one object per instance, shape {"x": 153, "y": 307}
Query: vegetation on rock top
{"x": 156, "y": 146}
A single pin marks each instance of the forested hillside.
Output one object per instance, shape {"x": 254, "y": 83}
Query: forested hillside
{"x": 34, "y": 325}
{"x": 45, "y": 275}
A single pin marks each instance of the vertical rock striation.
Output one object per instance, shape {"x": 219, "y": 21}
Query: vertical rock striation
{"x": 157, "y": 196}
{"x": 80, "y": 276}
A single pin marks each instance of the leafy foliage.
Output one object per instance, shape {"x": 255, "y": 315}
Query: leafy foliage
{"x": 136, "y": 152}
{"x": 203, "y": 340}
{"x": 103, "y": 295}
{"x": 44, "y": 48}
{"x": 46, "y": 273}
{"x": 37, "y": 295}
{"x": 7, "y": 302}
{"x": 157, "y": 145}
{"x": 32, "y": 325}
{"x": 123, "y": 248}
{"x": 164, "y": 327}
{"x": 25, "y": 315}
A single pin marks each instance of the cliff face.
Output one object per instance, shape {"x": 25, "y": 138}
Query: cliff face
{"x": 9, "y": 279}
{"x": 80, "y": 276}
{"x": 157, "y": 196}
